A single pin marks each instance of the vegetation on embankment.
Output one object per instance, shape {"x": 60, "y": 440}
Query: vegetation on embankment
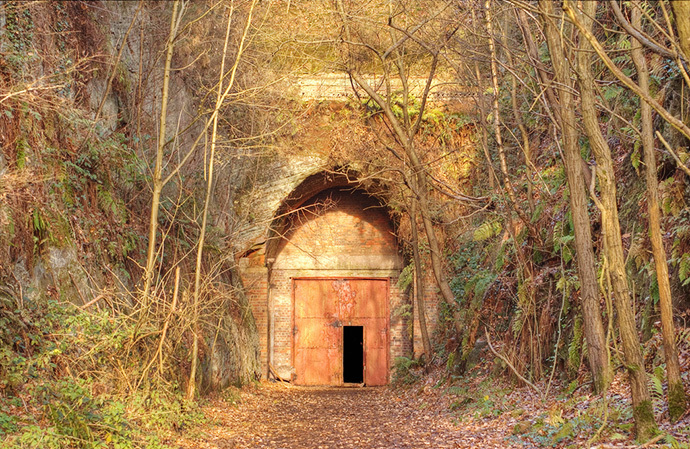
{"x": 102, "y": 333}
{"x": 84, "y": 360}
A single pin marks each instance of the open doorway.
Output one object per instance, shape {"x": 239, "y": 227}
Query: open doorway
{"x": 353, "y": 354}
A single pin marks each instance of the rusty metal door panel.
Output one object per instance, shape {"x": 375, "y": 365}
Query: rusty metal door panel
{"x": 376, "y": 369}
{"x": 313, "y": 299}
{"x": 375, "y": 351}
{"x": 375, "y": 333}
{"x": 321, "y": 306}
{"x": 316, "y": 333}
{"x": 323, "y": 366}
{"x": 346, "y": 297}
{"x": 318, "y": 353}
{"x": 373, "y": 298}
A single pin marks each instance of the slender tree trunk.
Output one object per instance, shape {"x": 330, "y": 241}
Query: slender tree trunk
{"x": 643, "y": 412}
{"x": 551, "y": 105}
{"x": 576, "y": 17}
{"x": 677, "y": 401}
{"x": 419, "y": 280}
{"x": 517, "y": 116}
{"x": 508, "y": 185}
{"x": 220, "y": 98}
{"x": 405, "y": 136}
{"x": 681, "y": 12}
{"x": 158, "y": 169}
{"x": 482, "y": 118}
{"x": 191, "y": 385}
{"x": 589, "y": 291}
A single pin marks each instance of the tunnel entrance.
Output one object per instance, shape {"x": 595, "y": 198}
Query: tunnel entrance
{"x": 331, "y": 317}
{"x": 353, "y": 354}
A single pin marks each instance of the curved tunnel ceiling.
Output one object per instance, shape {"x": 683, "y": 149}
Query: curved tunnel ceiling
{"x": 307, "y": 189}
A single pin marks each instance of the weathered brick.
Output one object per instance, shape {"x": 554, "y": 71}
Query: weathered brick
{"x": 351, "y": 238}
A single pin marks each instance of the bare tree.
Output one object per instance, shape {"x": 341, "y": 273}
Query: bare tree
{"x": 404, "y": 128}
{"x": 676, "y": 392}
{"x": 613, "y": 245}
{"x": 589, "y": 291}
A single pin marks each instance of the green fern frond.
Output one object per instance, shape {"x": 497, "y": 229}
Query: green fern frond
{"x": 487, "y": 230}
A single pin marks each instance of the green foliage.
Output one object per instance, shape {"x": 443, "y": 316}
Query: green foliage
{"x": 563, "y": 240}
{"x": 684, "y": 268}
{"x": 467, "y": 261}
{"x": 405, "y": 371}
{"x": 406, "y": 277}
{"x": 680, "y": 251}
{"x": 657, "y": 381}
{"x": 19, "y": 28}
{"x": 487, "y": 230}
{"x": 480, "y": 401}
{"x": 8, "y": 424}
{"x": 575, "y": 347}
{"x": 39, "y": 351}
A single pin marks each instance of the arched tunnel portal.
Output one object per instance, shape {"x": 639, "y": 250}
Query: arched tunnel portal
{"x": 323, "y": 286}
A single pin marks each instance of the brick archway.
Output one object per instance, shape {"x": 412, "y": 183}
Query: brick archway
{"x": 338, "y": 236}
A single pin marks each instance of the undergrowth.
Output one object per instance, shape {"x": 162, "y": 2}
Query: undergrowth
{"x": 64, "y": 383}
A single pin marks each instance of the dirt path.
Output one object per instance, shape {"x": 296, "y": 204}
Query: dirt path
{"x": 282, "y": 416}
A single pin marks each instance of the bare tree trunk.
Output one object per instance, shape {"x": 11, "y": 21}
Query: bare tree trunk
{"x": 576, "y": 17}
{"x": 404, "y": 132}
{"x": 482, "y": 118}
{"x": 419, "y": 280}
{"x": 643, "y": 412}
{"x": 191, "y": 385}
{"x": 526, "y": 148}
{"x": 508, "y": 185}
{"x": 681, "y": 12}
{"x": 589, "y": 291}
{"x": 158, "y": 169}
{"x": 676, "y": 398}
{"x": 220, "y": 98}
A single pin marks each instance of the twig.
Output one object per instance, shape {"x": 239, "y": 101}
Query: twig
{"x": 510, "y": 365}
{"x": 652, "y": 441}
{"x": 276, "y": 375}
{"x": 93, "y": 301}
{"x": 167, "y": 320}
{"x": 21, "y": 291}
{"x": 673, "y": 153}
{"x": 83, "y": 300}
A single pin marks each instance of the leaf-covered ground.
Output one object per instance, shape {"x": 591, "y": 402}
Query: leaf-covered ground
{"x": 438, "y": 411}
{"x": 282, "y": 416}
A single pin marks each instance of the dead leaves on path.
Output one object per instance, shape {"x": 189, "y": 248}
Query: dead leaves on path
{"x": 284, "y": 416}
{"x": 471, "y": 412}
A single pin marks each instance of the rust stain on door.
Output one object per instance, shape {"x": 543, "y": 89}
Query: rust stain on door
{"x": 321, "y": 308}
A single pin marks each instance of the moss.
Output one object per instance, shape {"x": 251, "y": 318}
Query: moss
{"x": 601, "y": 381}
{"x": 644, "y": 421}
{"x": 677, "y": 401}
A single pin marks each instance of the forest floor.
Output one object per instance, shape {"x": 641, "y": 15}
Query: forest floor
{"x": 437, "y": 411}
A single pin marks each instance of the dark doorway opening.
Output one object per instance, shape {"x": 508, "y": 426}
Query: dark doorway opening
{"x": 353, "y": 354}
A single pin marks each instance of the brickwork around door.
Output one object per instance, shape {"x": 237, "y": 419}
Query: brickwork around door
{"x": 351, "y": 237}
{"x": 255, "y": 279}
{"x": 431, "y": 307}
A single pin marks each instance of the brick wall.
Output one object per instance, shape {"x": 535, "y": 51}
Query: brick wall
{"x": 337, "y": 234}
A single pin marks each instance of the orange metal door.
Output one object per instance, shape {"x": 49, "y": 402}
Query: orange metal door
{"x": 371, "y": 312}
{"x": 321, "y": 308}
{"x": 317, "y": 335}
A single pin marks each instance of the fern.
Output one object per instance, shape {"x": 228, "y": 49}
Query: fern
{"x": 684, "y": 269}
{"x": 111, "y": 205}
{"x": 575, "y": 346}
{"x": 487, "y": 230}
{"x": 406, "y": 277}
{"x": 657, "y": 384}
